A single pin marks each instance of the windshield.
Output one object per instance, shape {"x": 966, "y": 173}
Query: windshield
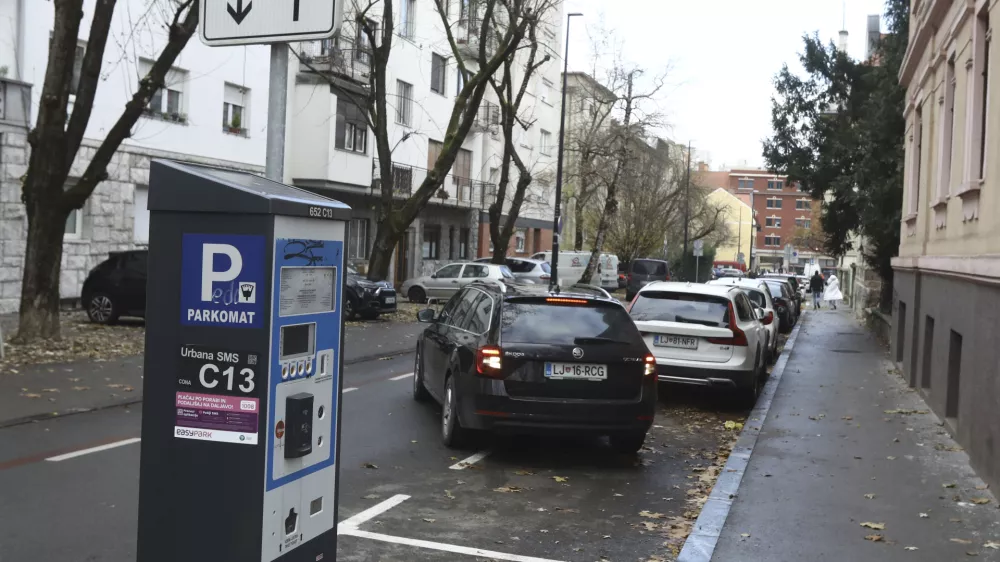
{"x": 564, "y": 324}
{"x": 667, "y": 306}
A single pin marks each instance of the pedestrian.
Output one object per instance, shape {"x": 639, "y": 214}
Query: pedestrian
{"x": 832, "y": 293}
{"x": 816, "y": 286}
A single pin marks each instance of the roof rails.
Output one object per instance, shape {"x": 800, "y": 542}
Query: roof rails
{"x": 593, "y": 288}
{"x": 491, "y": 282}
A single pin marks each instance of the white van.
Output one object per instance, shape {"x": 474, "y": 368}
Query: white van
{"x": 572, "y": 265}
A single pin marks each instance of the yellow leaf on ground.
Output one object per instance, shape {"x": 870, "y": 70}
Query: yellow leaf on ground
{"x": 873, "y": 538}
{"x": 31, "y": 395}
{"x": 992, "y": 545}
{"x": 524, "y": 473}
{"x": 876, "y": 526}
{"x": 560, "y": 478}
{"x": 869, "y": 496}
{"x": 508, "y": 489}
{"x": 961, "y": 541}
{"x": 651, "y": 515}
{"x": 980, "y": 501}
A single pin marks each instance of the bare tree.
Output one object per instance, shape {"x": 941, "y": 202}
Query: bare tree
{"x": 56, "y": 138}
{"x": 499, "y": 26}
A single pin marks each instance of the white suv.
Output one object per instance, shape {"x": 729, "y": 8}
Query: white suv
{"x": 760, "y": 297}
{"x": 708, "y": 335}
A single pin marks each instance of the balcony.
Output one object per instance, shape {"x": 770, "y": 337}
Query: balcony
{"x": 456, "y": 191}
{"x": 487, "y": 118}
{"x": 467, "y": 36}
{"x": 342, "y": 57}
{"x": 15, "y": 102}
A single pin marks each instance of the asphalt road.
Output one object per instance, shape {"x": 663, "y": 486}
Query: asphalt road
{"x": 507, "y": 502}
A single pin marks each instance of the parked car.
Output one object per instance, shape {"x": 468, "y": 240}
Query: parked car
{"x": 784, "y": 303}
{"x": 116, "y": 287}
{"x": 520, "y": 358}
{"x": 445, "y": 282}
{"x": 528, "y": 270}
{"x": 793, "y": 286}
{"x": 702, "y": 334}
{"x": 729, "y": 272}
{"x": 643, "y": 271}
{"x": 622, "y": 275}
{"x": 365, "y": 298}
{"x": 760, "y": 296}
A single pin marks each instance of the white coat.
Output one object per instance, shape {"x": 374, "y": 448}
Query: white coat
{"x": 832, "y": 291}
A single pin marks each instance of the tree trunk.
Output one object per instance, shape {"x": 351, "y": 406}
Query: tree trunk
{"x": 39, "y": 314}
{"x": 578, "y": 225}
{"x": 386, "y": 239}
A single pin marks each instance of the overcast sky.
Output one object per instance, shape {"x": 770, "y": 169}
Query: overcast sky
{"x": 722, "y": 55}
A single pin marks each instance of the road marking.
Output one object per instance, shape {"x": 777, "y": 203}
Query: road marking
{"x": 371, "y": 513}
{"x": 351, "y": 389}
{"x": 401, "y": 377}
{"x": 444, "y": 547}
{"x": 82, "y": 452}
{"x": 461, "y": 465}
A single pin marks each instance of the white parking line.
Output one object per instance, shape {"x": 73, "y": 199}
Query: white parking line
{"x": 462, "y": 465}
{"x": 351, "y": 389}
{"x": 444, "y": 547}
{"x": 82, "y": 452}
{"x": 401, "y": 377}
{"x": 370, "y": 513}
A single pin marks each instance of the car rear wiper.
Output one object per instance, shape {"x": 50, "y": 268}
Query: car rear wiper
{"x": 596, "y": 339}
{"x": 684, "y": 320}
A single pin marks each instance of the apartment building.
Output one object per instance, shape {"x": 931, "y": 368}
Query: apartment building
{"x": 946, "y": 295}
{"x": 332, "y": 151}
{"x": 212, "y": 111}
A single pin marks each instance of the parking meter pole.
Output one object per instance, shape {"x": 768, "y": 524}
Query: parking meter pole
{"x": 242, "y": 369}
{"x": 697, "y": 261}
{"x": 277, "y": 103}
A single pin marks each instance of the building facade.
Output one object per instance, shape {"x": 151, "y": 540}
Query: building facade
{"x": 194, "y": 120}
{"x": 947, "y": 276}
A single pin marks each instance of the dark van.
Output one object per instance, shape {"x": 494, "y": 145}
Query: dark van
{"x": 642, "y": 272}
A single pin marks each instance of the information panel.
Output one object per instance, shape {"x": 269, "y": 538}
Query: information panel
{"x": 306, "y": 290}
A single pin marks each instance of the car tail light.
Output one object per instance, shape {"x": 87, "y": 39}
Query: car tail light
{"x": 649, "y": 365}
{"x": 768, "y": 317}
{"x": 739, "y": 336}
{"x": 488, "y": 362}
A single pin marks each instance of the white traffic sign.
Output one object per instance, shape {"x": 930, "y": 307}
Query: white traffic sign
{"x": 248, "y": 22}
{"x": 699, "y": 248}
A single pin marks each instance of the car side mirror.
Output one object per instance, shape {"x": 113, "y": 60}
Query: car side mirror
{"x": 434, "y": 276}
{"x": 426, "y": 315}
{"x": 768, "y": 318}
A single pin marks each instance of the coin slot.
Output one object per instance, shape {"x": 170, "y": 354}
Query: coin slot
{"x": 316, "y": 506}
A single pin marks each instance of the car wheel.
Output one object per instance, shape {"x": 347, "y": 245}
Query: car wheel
{"x": 627, "y": 443}
{"x": 350, "y": 308}
{"x": 752, "y": 392}
{"x": 420, "y": 393}
{"x": 101, "y": 309}
{"x": 453, "y": 435}
{"x": 417, "y": 295}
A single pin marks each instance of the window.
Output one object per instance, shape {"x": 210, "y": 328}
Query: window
{"x": 463, "y": 244}
{"x": 536, "y": 241}
{"x": 140, "y": 215}
{"x": 665, "y": 306}
{"x": 462, "y": 170}
{"x": 802, "y": 204}
{"x": 357, "y": 245}
{"x": 807, "y": 223}
{"x": 774, "y": 203}
{"x": 362, "y": 46}
{"x": 743, "y": 309}
{"x": 74, "y": 225}
{"x": 402, "y": 177}
{"x": 556, "y": 324}
{"x": 168, "y": 102}
{"x": 773, "y": 222}
{"x": 749, "y": 183}
{"x": 915, "y": 159}
{"x": 482, "y": 311}
{"x": 449, "y": 271}
{"x": 235, "y": 119}
{"x": 475, "y": 271}
{"x": 546, "y": 142}
{"x": 460, "y": 316}
{"x": 981, "y": 61}
{"x": 438, "y": 76}
{"x": 404, "y": 103}
{"x": 947, "y": 130}
{"x": 775, "y": 184}
{"x": 520, "y": 238}
{"x": 432, "y": 242}
{"x": 772, "y": 240}
{"x": 545, "y": 91}
{"x": 407, "y": 16}
{"x": 352, "y": 128}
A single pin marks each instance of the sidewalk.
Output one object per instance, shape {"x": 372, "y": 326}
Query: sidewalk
{"x": 34, "y": 392}
{"x": 846, "y": 442}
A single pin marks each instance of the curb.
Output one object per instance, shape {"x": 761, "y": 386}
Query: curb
{"x": 700, "y": 544}
{"x": 138, "y": 400}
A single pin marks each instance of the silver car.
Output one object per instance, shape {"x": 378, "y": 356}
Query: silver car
{"x": 526, "y": 270}
{"x": 445, "y": 282}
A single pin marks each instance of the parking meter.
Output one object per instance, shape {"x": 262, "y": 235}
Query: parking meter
{"x": 242, "y": 379}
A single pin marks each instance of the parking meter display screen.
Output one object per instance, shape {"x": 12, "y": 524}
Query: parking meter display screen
{"x": 297, "y": 340}
{"x": 306, "y": 290}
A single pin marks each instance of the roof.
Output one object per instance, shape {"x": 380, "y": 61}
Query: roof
{"x": 738, "y": 282}
{"x": 578, "y": 292}
{"x": 694, "y": 288}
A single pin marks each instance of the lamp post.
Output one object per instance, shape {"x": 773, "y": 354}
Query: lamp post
{"x": 557, "y": 218}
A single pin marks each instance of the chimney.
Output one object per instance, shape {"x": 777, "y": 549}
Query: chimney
{"x": 702, "y": 166}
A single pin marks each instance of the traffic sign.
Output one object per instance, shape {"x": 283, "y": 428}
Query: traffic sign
{"x": 699, "y": 248}
{"x": 248, "y": 22}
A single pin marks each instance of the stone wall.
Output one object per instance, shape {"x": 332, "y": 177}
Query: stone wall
{"x": 108, "y": 217}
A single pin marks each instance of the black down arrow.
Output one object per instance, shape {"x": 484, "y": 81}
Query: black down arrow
{"x": 239, "y": 14}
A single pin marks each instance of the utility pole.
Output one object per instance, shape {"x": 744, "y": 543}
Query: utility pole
{"x": 687, "y": 200}
{"x": 557, "y": 217}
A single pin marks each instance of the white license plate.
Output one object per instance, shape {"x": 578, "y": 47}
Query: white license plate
{"x": 390, "y": 300}
{"x": 683, "y": 342}
{"x": 580, "y": 371}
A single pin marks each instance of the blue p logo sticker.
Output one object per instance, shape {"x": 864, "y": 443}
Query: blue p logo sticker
{"x": 220, "y": 277}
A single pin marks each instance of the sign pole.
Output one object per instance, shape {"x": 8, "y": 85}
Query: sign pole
{"x": 277, "y": 103}
{"x": 697, "y": 266}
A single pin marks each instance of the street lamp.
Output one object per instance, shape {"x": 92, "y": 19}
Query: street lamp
{"x": 557, "y": 218}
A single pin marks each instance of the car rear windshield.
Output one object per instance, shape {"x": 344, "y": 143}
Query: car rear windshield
{"x": 691, "y": 308}
{"x": 649, "y": 267}
{"x": 545, "y": 267}
{"x": 538, "y": 321}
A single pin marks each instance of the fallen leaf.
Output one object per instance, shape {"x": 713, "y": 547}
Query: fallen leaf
{"x": 116, "y": 385}
{"x": 869, "y": 496}
{"x": 31, "y": 395}
{"x": 910, "y": 548}
{"x": 524, "y": 473}
{"x": 74, "y": 379}
{"x": 371, "y": 497}
{"x": 449, "y": 495}
{"x": 848, "y": 418}
{"x": 50, "y": 390}
{"x": 649, "y": 526}
{"x": 982, "y": 487}
{"x": 651, "y": 515}
{"x": 508, "y": 489}
{"x": 924, "y": 516}
{"x": 980, "y": 501}
{"x": 560, "y": 478}
{"x": 429, "y": 520}
{"x": 961, "y": 541}
{"x": 992, "y": 545}
{"x": 370, "y": 465}
{"x": 891, "y": 458}
{"x": 873, "y": 538}
{"x": 81, "y": 388}
{"x": 745, "y": 535}
{"x": 971, "y": 553}
{"x": 619, "y": 495}
{"x": 906, "y": 412}
{"x": 948, "y": 485}
{"x": 876, "y": 526}
{"x": 413, "y": 441}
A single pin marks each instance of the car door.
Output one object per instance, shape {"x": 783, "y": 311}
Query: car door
{"x": 473, "y": 271}
{"x": 445, "y": 281}
{"x": 454, "y": 333}
{"x": 133, "y": 284}
{"x": 435, "y": 342}
{"x": 750, "y": 324}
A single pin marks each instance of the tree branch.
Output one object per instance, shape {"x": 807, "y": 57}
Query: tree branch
{"x": 90, "y": 74}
